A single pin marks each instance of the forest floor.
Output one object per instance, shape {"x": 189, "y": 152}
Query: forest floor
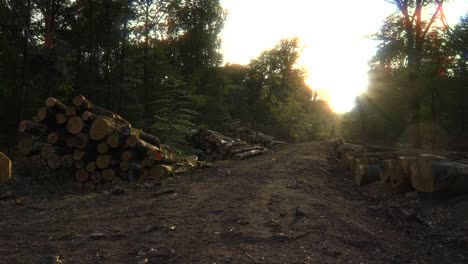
{"x": 292, "y": 205}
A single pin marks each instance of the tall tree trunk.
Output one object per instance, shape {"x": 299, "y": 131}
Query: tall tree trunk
{"x": 108, "y": 56}
{"x": 122, "y": 59}
{"x": 25, "y": 70}
{"x": 145, "y": 69}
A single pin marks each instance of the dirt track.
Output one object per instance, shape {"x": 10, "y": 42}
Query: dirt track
{"x": 292, "y": 205}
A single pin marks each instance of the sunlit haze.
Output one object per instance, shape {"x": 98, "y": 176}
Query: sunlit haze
{"x": 333, "y": 33}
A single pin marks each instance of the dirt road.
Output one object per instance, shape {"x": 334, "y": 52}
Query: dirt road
{"x": 292, "y": 205}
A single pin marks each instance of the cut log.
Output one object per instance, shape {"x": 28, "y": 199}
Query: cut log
{"x": 400, "y": 177}
{"x": 103, "y": 161}
{"x": 151, "y": 139}
{"x": 74, "y": 125}
{"x": 25, "y": 144}
{"x": 386, "y": 170}
{"x": 67, "y": 161}
{"x": 53, "y": 138}
{"x": 89, "y": 186}
{"x": 81, "y": 175}
{"x": 248, "y": 154}
{"x": 113, "y": 140}
{"x": 54, "y": 162}
{"x": 48, "y": 151}
{"x": 31, "y": 127}
{"x": 431, "y": 173}
{"x": 91, "y": 166}
{"x": 60, "y": 118}
{"x": 45, "y": 115}
{"x": 366, "y": 174}
{"x": 5, "y": 168}
{"x": 79, "y": 164}
{"x": 71, "y": 111}
{"x": 108, "y": 174}
{"x": 102, "y": 128}
{"x": 70, "y": 141}
{"x": 96, "y": 176}
{"x": 78, "y": 154}
{"x": 124, "y": 166}
{"x": 102, "y": 147}
{"x": 81, "y": 140}
{"x": 128, "y": 155}
{"x": 55, "y": 104}
{"x": 85, "y": 104}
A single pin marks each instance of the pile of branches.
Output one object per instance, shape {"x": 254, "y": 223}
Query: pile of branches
{"x": 96, "y": 146}
{"x": 214, "y": 146}
{"x": 256, "y": 137}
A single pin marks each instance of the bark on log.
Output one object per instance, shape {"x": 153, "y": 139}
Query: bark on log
{"x": 386, "y": 170}
{"x": 31, "y": 127}
{"x": 85, "y": 104}
{"x": 74, "y": 125}
{"x": 151, "y": 139}
{"x": 45, "y": 115}
{"x": 248, "y": 154}
{"x": 55, "y": 104}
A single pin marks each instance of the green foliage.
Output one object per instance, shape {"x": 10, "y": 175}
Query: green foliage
{"x": 174, "y": 115}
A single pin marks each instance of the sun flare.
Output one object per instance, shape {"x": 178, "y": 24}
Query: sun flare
{"x": 336, "y": 47}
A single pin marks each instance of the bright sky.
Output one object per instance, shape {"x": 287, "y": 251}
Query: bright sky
{"x": 336, "y": 51}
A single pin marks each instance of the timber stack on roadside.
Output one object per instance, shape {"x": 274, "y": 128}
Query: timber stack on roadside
{"x": 405, "y": 169}
{"x": 98, "y": 147}
{"x": 216, "y": 146}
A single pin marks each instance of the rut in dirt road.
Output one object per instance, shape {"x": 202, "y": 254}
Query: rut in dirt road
{"x": 291, "y": 205}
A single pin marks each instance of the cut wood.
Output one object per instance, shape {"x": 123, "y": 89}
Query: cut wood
{"x": 151, "y": 139}
{"x": 60, "y": 118}
{"x": 25, "y": 144}
{"x": 54, "y": 162}
{"x": 248, "y": 154}
{"x": 89, "y": 186}
{"x": 71, "y": 111}
{"x": 386, "y": 170}
{"x": 81, "y": 175}
{"x": 55, "y": 104}
{"x": 45, "y": 115}
{"x": 400, "y": 177}
{"x": 102, "y": 128}
{"x": 366, "y": 174}
{"x": 5, "y": 168}
{"x": 113, "y": 140}
{"x": 91, "y": 166}
{"x": 67, "y": 161}
{"x": 103, "y": 161}
{"x": 78, "y": 154}
{"x": 102, "y": 147}
{"x": 81, "y": 141}
{"x": 95, "y": 176}
{"x": 32, "y": 127}
{"x": 431, "y": 173}
{"x": 108, "y": 174}
{"x": 74, "y": 125}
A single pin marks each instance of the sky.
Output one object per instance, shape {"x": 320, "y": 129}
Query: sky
{"x": 333, "y": 34}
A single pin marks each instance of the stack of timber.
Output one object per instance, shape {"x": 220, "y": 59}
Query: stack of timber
{"x": 98, "y": 147}
{"x": 256, "y": 137}
{"x": 216, "y": 146}
{"x": 405, "y": 169}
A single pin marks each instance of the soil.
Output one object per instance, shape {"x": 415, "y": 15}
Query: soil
{"x": 294, "y": 204}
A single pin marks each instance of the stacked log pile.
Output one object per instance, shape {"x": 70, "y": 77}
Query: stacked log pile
{"x": 405, "y": 169}
{"x": 256, "y": 137}
{"x": 97, "y": 146}
{"x": 215, "y": 146}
